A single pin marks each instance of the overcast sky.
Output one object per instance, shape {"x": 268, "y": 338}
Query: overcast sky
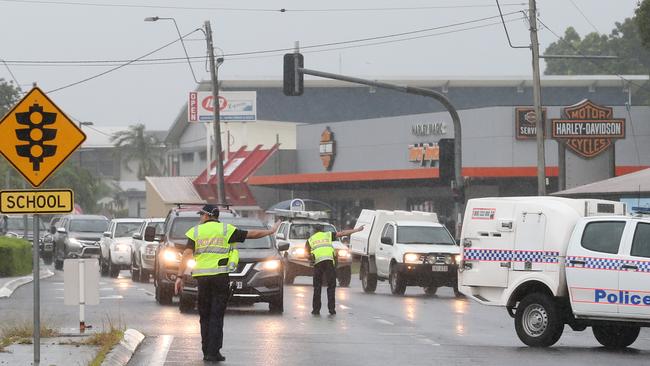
{"x": 111, "y": 30}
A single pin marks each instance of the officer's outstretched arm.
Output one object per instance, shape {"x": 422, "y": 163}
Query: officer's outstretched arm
{"x": 256, "y": 234}
{"x": 178, "y": 286}
{"x": 349, "y": 232}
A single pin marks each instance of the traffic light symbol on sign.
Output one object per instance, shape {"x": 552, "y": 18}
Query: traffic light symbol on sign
{"x": 35, "y": 134}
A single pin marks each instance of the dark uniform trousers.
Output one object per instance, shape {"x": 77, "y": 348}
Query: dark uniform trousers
{"x": 324, "y": 269}
{"x": 212, "y": 300}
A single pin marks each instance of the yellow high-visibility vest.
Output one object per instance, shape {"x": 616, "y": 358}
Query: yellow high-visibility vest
{"x": 212, "y": 246}
{"x": 321, "y": 246}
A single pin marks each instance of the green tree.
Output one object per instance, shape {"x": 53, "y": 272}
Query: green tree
{"x": 643, "y": 22}
{"x": 9, "y": 96}
{"x": 87, "y": 188}
{"x": 135, "y": 145}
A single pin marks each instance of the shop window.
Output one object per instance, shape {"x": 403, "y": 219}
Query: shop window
{"x": 187, "y": 157}
{"x": 420, "y": 204}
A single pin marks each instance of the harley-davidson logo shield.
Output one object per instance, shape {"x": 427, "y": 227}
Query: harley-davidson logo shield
{"x": 588, "y": 129}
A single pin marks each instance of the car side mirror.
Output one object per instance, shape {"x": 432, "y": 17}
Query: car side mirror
{"x": 52, "y": 229}
{"x": 107, "y": 234}
{"x": 149, "y": 233}
{"x": 283, "y": 247}
{"x": 387, "y": 240}
{"x": 281, "y": 236}
{"x": 458, "y": 242}
{"x": 61, "y": 230}
{"x": 137, "y": 236}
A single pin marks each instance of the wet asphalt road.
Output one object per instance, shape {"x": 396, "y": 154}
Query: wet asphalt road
{"x": 369, "y": 329}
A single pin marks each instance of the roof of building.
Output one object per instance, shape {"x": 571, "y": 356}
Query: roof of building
{"x": 175, "y": 190}
{"x": 362, "y": 102}
{"x": 637, "y": 183}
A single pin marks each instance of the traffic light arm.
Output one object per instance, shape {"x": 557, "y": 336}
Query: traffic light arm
{"x": 458, "y": 160}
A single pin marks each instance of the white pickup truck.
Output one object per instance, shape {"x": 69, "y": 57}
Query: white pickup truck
{"x": 408, "y": 248}
{"x": 556, "y": 261}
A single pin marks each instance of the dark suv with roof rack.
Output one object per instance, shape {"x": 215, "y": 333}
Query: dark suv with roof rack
{"x": 77, "y": 236}
{"x": 172, "y": 245}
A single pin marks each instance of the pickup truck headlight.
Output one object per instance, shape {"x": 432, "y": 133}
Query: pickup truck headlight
{"x": 343, "y": 253}
{"x": 457, "y": 258}
{"x": 171, "y": 256}
{"x": 272, "y": 265}
{"x": 121, "y": 248}
{"x": 412, "y": 258}
{"x": 298, "y": 252}
{"x": 150, "y": 250}
{"x": 74, "y": 241}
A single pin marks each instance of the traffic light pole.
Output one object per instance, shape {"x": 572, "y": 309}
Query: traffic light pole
{"x": 458, "y": 151}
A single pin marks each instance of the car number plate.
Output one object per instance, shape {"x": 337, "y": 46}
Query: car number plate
{"x": 439, "y": 268}
{"x": 238, "y": 284}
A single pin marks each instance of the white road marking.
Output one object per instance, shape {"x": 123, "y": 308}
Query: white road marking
{"x": 383, "y": 321}
{"x": 343, "y": 306}
{"x": 111, "y": 297}
{"x": 159, "y": 356}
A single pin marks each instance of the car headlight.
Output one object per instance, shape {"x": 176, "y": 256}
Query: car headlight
{"x": 298, "y": 252}
{"x": 457, "y": 258}
{"x": 272, "y": 265}
{"x": 343, "y": 253}
{"x": 74, "y": 241}
{"x": 171, "y": 256}
{"x": 150, "y": 250}
{"x": 412, "y": 258}
{"x": 191, "y": 263}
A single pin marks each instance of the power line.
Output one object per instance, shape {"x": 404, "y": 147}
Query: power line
{"x": 577, "y": 51}
{"x": 247, "y": 53}
{"x": 257, "y": 10}
{"x": 118, "y": 67}
{"x": 584, "y": 16}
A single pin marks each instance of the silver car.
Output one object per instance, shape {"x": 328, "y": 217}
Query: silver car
{"x": 143, "y": 253}
{"x": 115, "y": 246}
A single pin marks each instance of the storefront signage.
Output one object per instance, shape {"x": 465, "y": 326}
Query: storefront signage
{"x": 233, "y": 106}
{"x": 429, "y": 129}
{"x": 588, "y": 129}
{"x": 327, "y": 148}
{"x": 525, "y": 124}
{"x": 425, "y": 154}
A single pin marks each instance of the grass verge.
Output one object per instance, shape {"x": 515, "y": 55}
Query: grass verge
{"x": 22, "y": 334}
{"x": 106, "y": 341}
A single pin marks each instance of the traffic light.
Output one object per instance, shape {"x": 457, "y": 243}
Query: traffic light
{"x": 293, "y": 80}
{"x": 35, "y": 134}
{"x": 446, "y": 166}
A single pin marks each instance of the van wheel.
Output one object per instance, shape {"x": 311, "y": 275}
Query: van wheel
{"x": 368, "y": 280}
{"x": 276, "y": 305}
{"x": 615, "y": 336}
{"x": 397, "y": 282}
{"x": 344, "y": 276}
{"x": 135, "y": 273}
{"x": 537, "y": 321}
{"x": 185, "y": 304}
{"x": 430, "y": 290}
{"x": 113, "y": 270}
{"x": 457, "y": 293}
{"x": 163, "y": 295}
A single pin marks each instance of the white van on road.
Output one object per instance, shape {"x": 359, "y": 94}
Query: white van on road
{"x": 407, "y": 248}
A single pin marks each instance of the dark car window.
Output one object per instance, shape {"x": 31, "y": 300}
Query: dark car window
{"x": 424, "y": 235}
{"x": 180, "y": 225}
{"x": 304, "y": 231}
{"x": 126, "y": 229}
{"x": 603, "y": 236}
{"x": 88, "y": 225}
{"x": 641, "y": 241}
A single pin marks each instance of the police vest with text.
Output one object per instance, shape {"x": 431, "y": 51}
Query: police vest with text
{"x": 213, "y": 253}
{"x": 321, "y": 247}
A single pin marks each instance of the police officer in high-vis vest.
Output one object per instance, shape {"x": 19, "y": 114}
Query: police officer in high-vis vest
{"x": 321, "y": 251}
{"x": 213, "y": 245}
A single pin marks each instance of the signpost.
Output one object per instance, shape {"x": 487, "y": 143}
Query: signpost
{"x": 37, "y": 137}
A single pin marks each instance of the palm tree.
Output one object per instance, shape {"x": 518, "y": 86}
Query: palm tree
{"x": 136, "y": 145}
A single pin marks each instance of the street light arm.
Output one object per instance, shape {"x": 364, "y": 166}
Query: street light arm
{"x": 178, "y": 31}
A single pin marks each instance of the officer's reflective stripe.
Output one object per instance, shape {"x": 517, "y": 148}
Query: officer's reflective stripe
{"x": 209, "y": 241}
{"x": 212, "y": 249}
{"x": 322, "y": 246}
{"x": 210, "y": 271}
{"x": 225, "y": 229}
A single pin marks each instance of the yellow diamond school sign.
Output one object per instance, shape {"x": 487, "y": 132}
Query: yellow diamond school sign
{"x": 37, "y": 137}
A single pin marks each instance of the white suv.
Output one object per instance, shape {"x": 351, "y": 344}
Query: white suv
{"x": 115, "y": 246}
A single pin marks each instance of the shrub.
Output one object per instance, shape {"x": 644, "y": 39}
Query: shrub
{"x": 15, "y": 257}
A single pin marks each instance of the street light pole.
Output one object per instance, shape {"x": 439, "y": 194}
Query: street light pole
{"x": 221, "y": 191}
{"x": 537, "y": 100}
{"x": 81, "y": 124}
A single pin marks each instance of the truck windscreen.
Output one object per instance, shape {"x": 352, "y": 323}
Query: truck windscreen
{"x": 424, "y": 235}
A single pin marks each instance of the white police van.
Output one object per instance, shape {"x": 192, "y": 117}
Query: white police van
{"x": 554, "y": 261}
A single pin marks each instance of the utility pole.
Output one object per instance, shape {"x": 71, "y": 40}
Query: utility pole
{"x": 537, "y": 99}
{"x": 221, "y": 191}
